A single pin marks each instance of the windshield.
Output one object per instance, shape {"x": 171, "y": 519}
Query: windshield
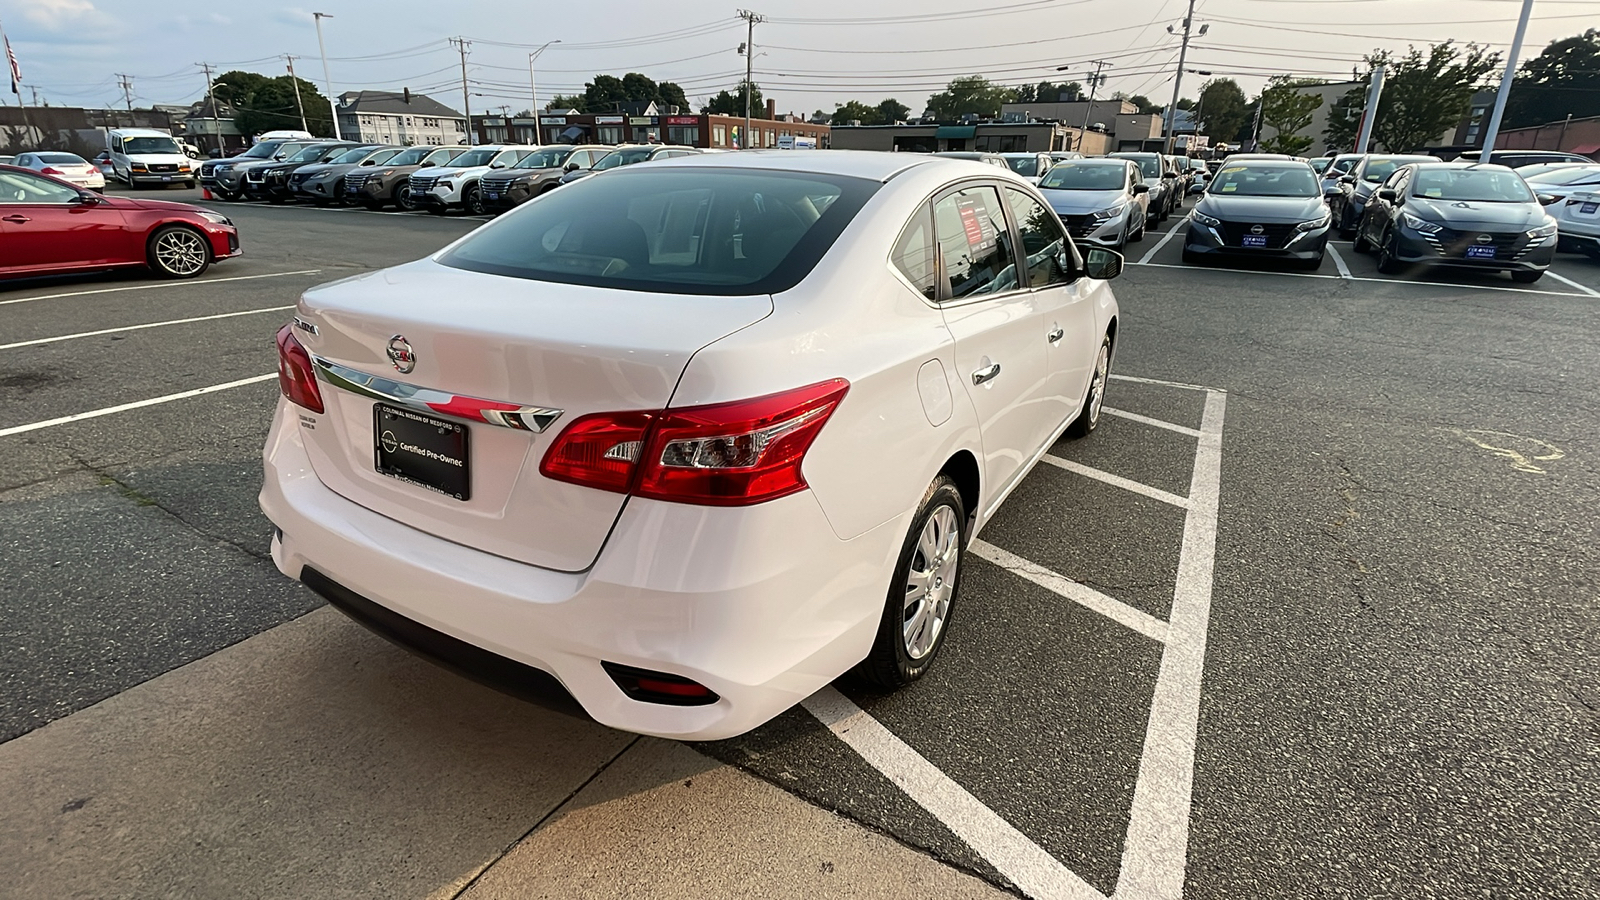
{"x": 1149, "y": 165}
{"x": 672, "y": 230}
{"x": 1085, "y": 177}
{"x": 1564, "y": 175}
{"x": 410, "y": 156}
{"x": 1343, "y": 165}
{"x": 1026, "y": 166}
{"x": 352, "y": 156}
{"x": 1380, "y": 168}
{"x": 263, "y": 150}
{"x": 1487, "y": 185}
{"x": 1320, "y": 165}
{"x": 548, "y": 158}
{"x": 479, "y": 157}
{"x": 1266, "y": 181}
{"x": 150, "y": 145}
{"x": 623, "y": 158}
{"x": 308, "y": 154}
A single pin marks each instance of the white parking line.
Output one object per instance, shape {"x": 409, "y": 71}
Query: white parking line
{"x": 1126, "y": 484}
{"x": 1132, "y": 417}
{"x": 84, "y": 334}
{"x": 1171, "y": 384}
{"x": 1145, "y": 259}
{"x": 138, "y": 404}
{"x": 163, "y": 284}
{"x": 1338, "y": 262}
{"x": 1081, "y": 594}
{"x": 1035, "y": 872}
{"x": 1565, "y": 280}
{"x": 1438, "y": 284}
{"x": 1155, "y": 850}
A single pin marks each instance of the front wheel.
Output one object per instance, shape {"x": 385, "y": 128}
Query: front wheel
{"x": 177, "y": 251}
{"x": 402, "y": 197}
{"x": 916, "y": 615}
{"x": 1094, "y": 400}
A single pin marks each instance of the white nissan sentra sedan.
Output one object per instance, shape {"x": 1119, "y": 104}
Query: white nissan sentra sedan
{"x": 677, "y": 445}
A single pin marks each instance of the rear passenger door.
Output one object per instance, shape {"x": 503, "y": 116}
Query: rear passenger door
{"x": 994, "y": 318}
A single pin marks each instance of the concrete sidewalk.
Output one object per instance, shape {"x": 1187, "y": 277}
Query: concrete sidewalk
{"x": 316, "y": 760}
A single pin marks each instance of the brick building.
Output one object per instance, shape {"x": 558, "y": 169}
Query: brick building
{"x": 648, "y": 124}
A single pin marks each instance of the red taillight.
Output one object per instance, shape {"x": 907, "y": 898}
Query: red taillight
{"x": 296, "y": 378}
{"x": 727, "y": 454}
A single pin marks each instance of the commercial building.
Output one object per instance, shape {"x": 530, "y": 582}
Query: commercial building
{"x": 399, "y": 117}
{"x": 648, "y": 124}
{"x": 989, "y": 137}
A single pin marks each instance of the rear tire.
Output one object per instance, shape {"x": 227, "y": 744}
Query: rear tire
{"x": 922, "y": 594}
{"x": 178, "y": 251}
{"x": 1094, "y": 400}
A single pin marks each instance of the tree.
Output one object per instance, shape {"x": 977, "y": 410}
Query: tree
{"x": 969, "y": 95}
{"x": 1288, "y": 111}
{"x": 563, "y": 102}
{"x": 891, "y": 111}
{"x": 1424, "y": 94}
{"x": 1563, "y": 80}
{"x": 727, "y": 104}
{"x": 820, "y": 118}
{"x": 855, "y": 110}
{"x": 1186, "y": 104}
{"x": 603, "y": 94}
{"x": 263, "y": 103}
{"x": 669, "y": 93}
{"x": 1222, "y": 109}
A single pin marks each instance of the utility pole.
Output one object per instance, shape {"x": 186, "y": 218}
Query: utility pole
{"x": 1095, "y": 79}
{"x": 211, "y": 100}
{"x": 327, "y": 80}
{"x": 461, "y": 43}
{"x": 126, "y": 83}
{"x": 1177, "y": 81}
{"x": 750, "y": 20}
{"x": 296, "y": 82}
{"x": 1369, "y": 115}
{"x": 1486, "y": 154}
{"x": 533, "y": 88}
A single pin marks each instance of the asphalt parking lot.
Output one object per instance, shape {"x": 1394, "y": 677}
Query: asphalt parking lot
{"x": 1312, "y": 614}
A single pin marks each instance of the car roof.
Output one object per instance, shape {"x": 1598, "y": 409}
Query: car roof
{"x": 140, "y": 132}
{"x": 869, "y": 164}
{"x": 1463, "y": 164}
{"x": 1102, "y": 160}
{"x": 1021, "y": 153}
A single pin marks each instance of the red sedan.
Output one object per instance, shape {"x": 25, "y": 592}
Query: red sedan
{"x": 49, "y": 226}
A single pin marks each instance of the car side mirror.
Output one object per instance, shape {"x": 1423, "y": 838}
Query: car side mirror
{"x": 1103, "y": 264}
{"x": 88, "y": 198}
{"x": 1141, "y": 188}
{"x": 369, "y": 162}
{"x": 497, "y": 165}
{"x": 1331, "y": 190}
{"x": 1547, "y": 199}
{"x": 1347, "y": 179}
{"x": 426, "y": 163}
{"x": 570, "y": 167}
{"x": 1387, "y": 194}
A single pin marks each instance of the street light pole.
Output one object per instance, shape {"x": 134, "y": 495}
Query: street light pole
{"x": 1486, "y": 154}
{"x": 327, "y": 80}
{"x": 533, "y": 87}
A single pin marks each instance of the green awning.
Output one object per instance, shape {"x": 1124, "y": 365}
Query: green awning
{"x": 956, "y": 131}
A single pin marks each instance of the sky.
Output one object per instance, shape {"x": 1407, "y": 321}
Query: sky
{"x": 809, "y": 55}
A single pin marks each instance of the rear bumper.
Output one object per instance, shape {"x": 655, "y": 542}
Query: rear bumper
{"x": 763, "y": 605}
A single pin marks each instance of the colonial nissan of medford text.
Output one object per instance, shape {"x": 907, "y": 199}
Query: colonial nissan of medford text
{"x": 692, "y": 439}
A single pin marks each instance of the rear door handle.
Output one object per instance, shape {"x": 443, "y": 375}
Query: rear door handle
{"x": 17, "y": 219}
{"x": 987, "y": 373}
{"x": 1056, "y": 335}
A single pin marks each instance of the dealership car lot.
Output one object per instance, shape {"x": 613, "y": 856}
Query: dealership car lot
{"x": 1380, "y": 682}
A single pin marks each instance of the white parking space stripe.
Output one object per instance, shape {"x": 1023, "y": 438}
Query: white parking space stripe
{"x": 1132, "y": 417}
{"x": 1035, "y": 872}
{"x": 1338, "y": 262}
{"x": 84, "y": 334}
{"x": 1081, "y": 594}
{"x": 1151, "y": 253}
{"x": 1171, "y": 384}
{"x": 1551, "y": 273}
{"x": 1402, "y": 281}
{"x": 1155, "y": 851}
{"x": 138, "y": 404}
{"x": 1126, "y": 484}
{"x": 163, "y": 284}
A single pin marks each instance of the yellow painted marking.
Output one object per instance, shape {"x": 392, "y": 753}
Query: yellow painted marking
{"x": 1540, "y": 451}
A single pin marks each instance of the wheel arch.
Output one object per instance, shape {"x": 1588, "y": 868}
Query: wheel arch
{"x": 962, "y": 468}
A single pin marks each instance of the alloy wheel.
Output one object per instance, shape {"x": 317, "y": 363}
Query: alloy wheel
{"x": 180, "y": 252}
{"x": 1097, "y": 388}
{"x": 931, "y": 582}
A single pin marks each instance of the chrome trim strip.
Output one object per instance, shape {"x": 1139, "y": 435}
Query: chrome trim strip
{"x": 433, "y": 402}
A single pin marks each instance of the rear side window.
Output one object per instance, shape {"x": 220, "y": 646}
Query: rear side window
{"x": 973, "y": 241}
{"x": 672, "y": 230}
{"x": 913, "y": 255}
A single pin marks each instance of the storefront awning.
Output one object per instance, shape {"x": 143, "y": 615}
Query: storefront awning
{"x": 956, "y": 131}
{"x": 573, "y": 133}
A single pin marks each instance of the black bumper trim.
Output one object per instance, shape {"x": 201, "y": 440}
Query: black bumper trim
{"x": 490, "y": 669}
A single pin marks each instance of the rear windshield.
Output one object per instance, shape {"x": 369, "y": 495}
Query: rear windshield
{"x": 1026, "y": 166}
{"x": 410, "y": 156}
{"x": 1085, "y": 177}
{"x": 309, "y": 154}
{"x": 353, "y": 156}
{"x": 66, "y": 159}
{"x": 1266, "y": 181}
{"x": 1380, "y": 169}
{"x": 671, "y": 230}
{"x": 1487, "y": 185}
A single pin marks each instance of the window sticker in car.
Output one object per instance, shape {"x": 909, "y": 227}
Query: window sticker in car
{"x": 975, "y": 220}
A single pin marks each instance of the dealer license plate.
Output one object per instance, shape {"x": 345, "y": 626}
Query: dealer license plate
{"x": 1480, "y": 252}
{"x": 166, "y": 178}
{"x": 422, "y": 450}
{"x": 1589, "y": 209}
{"x": 491, "y": 195}
{"x": 1255, "y": 240}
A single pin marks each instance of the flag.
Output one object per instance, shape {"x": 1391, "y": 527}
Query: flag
{"x": 16, "y": 68}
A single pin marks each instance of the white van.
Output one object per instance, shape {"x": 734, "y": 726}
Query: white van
{"x": 284, "y": 136}
{"x": 142, "y": 156}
